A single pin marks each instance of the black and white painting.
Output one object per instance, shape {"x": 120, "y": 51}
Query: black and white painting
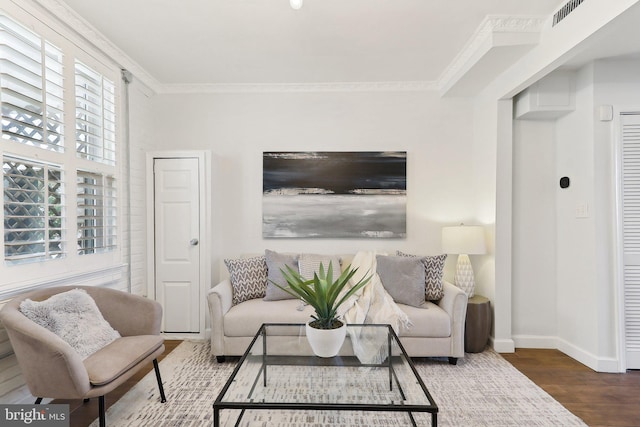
{"x": 356, "y": 194}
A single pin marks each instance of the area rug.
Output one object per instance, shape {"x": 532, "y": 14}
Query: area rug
{"x": 483, "y": 389}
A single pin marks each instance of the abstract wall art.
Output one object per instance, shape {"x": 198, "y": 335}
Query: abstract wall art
{"x": 329, "y": 194}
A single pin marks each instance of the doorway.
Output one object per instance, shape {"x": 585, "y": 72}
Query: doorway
{"x": 179, "y": 249}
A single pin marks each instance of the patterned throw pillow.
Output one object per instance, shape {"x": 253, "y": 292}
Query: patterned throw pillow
{"x": 433, "y": 269}
{"x": 248, "y": 278}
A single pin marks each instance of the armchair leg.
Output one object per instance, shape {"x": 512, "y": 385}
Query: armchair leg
{"x": 103, "y": 421}
{"x": 38, "y": 400}
{"x": 220, "y": 359}
{"x": 453, "y": 361}
{"x": 160, "y": 387}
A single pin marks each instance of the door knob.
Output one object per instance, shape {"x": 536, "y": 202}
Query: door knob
{"x": 194, "y": 242}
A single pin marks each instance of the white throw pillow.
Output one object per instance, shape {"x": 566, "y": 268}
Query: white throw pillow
{"x": 308, "y": 264}
{"x": 74, "y": 317}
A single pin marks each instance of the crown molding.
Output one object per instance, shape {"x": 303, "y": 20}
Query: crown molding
{"x": 400, "y": 86}
{"x": 63, "y": 13}
{"x": 492, "y": 24}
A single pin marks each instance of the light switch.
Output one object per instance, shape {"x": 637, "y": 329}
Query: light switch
{"x": 582, "y": 210}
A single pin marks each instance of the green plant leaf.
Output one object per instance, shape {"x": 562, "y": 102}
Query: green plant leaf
{"x": 322, "y": 291}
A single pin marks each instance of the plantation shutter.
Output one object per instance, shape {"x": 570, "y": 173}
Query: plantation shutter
{"x": 96, "y": 213}
{"x": 631, "y": 235}
{"x": 30, "y": 88}
{"x": 95, "y": 116}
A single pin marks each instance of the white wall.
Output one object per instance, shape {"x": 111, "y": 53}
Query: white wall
{"x": 577, "y": 266}
{"x": 563, "y": 258}
{"x": 535, "y": 183}
{"x": 237, "y": 128}
{"x": 588, "y": 327}
{"x": 579, "y": 312}
{"x": 141, "y": 136}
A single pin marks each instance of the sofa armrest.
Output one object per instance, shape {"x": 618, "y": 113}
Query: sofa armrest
{"x": 220, "y": 301}
{"x": 51, "y": 368}
{"x": 454, "y": 302}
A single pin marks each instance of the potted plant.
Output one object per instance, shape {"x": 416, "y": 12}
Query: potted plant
{"x": 325, "y": 332}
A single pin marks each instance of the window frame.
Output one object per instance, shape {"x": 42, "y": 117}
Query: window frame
{"x": 19, "y": 277}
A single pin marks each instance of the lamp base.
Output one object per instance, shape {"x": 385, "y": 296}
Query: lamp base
{"x": 464, "y": 275}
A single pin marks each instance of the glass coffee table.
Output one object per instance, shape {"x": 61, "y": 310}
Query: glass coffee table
{"x": 279, "y": 375}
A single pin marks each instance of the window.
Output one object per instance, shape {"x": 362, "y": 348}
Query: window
{"x": 96, "y": 213}
{"x": 60, "y": 199}
{"x": 95, "y": 116}
{"x": 31, "y": 76}
{"x": 33, "y": 213}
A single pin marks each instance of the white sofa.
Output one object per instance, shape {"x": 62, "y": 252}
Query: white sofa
{"x": 437, "y": 331}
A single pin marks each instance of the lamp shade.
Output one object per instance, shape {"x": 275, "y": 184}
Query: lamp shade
{"x": 463, "y": 239}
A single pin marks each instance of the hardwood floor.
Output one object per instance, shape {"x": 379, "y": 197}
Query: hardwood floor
{"x": 600, "y": 400}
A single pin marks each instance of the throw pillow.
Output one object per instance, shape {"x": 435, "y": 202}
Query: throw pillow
{"x": 403, "y": 278}
{"x": 248, "y": 278}
{"x": 434, "y": 270}
{"x": 308, "y": 264}
{"x": 74, "y": 317}
{"x": 275, "y": 262}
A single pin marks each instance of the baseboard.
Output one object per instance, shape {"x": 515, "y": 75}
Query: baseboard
{"x": 598, "y": 364}
{"x": 503, "y": 345}
{"x": 183, "y": 336}
{"x": 535, "y": 341}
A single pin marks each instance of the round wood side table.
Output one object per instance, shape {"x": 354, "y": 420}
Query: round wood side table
{"x": 478, "y": 324}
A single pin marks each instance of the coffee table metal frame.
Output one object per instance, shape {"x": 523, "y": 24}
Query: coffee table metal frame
{"x": 268, "y": 360}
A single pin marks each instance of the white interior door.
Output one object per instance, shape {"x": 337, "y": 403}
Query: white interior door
{"x": 631, "y": 235}
{"x": 177, "y": 249}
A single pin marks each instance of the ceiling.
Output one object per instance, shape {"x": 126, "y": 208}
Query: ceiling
{"x": 267, "y": 42}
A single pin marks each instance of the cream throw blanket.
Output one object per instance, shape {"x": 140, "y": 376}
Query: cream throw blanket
{"x": 371, "y": 304}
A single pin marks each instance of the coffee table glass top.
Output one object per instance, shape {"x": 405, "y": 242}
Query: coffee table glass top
{"x": 279, "y": 371}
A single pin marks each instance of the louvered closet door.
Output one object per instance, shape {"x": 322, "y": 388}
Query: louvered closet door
{"x": 631, "y": 231}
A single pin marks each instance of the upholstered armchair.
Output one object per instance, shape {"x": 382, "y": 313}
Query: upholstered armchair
{"x": 53, "y": 369}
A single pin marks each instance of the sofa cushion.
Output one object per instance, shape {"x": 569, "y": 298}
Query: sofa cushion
{"x": 276, "y": 262}
{"x": 74, "y": 317}
{"x": 309, "y": 264}
{"x": 429, "y": 320}
{"x": 118, "y": 357}
{"x": 403, "y": 278}
{"x": 248, "y": 277}
{"x": 245, "y": 319}
{"x": 434, "y": 269}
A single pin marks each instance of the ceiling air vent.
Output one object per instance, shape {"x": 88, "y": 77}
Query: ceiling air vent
{"x": 565, "y": 10}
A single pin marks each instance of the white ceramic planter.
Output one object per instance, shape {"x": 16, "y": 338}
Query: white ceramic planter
{"x": 326, "y": 342}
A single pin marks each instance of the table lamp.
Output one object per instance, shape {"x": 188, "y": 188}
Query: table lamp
{"x": 464, "y": 240}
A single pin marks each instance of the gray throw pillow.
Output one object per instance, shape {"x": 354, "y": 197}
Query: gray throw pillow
{"x": 403, "y": 278}
{"x": 248, "y": 278}
{"x": 74, "y": 317}
{"x": 275, "y": 262}
{"x": 434, "y": 270}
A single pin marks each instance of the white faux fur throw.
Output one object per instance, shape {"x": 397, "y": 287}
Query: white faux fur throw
{"x": 74, "y": 317}
{"x": 371, "y": 304}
